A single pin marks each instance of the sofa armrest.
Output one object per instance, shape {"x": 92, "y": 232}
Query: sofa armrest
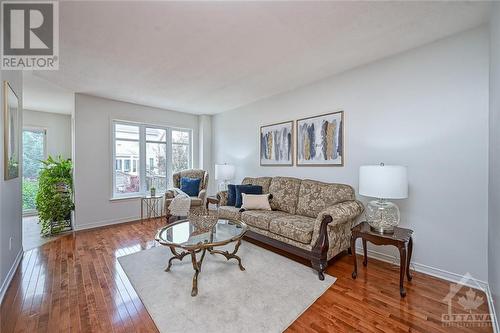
{"x": 335, "y": 215}
{"x": 222, "y": 196}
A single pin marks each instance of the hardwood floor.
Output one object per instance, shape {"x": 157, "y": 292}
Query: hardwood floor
{"x": 75, "y": 284}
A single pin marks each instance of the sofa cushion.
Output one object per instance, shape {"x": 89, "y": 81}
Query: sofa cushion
{"x": 261, "y": 218}
{"x": 296, "y": 227}
{"x": 315, "y": 196}
{"x": 229, "y": 212}
{"x": 285, "y": 192}
{"x": 262, "y": 181}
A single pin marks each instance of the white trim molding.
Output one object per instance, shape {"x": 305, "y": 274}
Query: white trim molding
{"x": 10, "y": 275}
{"x": 442, "y": 274}
{"x": 105, "y": 223}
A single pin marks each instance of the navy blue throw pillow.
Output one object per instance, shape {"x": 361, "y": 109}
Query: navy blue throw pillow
{"x": 190, "y": 186}
{"x": 247, "y": 189}
{"x": 231, "y": 195}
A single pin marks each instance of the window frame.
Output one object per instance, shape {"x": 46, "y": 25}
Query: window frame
{"x": 141, "y": 162}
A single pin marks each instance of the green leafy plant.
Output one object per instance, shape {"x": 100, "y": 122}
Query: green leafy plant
{"x": 54, "y": 200}
{"x": 30, "y": 189}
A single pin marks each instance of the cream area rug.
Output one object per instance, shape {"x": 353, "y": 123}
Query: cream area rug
{"x": 267, "y": 297}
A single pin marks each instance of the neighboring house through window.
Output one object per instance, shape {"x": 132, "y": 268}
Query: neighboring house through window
{"x": 145, "y": 156}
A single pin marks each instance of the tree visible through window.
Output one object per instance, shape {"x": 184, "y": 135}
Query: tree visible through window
{"x": 33, "y": 154}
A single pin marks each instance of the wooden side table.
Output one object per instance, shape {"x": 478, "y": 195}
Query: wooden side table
{"x": 401, "y": 238}
{"x": 152, "y": 205}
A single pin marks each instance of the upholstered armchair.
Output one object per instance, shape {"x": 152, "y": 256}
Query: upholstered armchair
{"x": 196, "y": 202}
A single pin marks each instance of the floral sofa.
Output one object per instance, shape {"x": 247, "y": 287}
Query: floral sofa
{"x": 310, "y": 219}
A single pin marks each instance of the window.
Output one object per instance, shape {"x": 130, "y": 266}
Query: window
{"x": 181, "y": 150}
{"x": 145, "y": 156}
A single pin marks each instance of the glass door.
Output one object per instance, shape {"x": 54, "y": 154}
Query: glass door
{"x": 34, "y": 151}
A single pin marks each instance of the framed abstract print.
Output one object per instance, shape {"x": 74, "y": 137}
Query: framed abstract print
{"x": 320, "y": 140}
{"x": 276, "y": 144}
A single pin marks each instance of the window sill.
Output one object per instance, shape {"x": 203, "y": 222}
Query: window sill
{"x": 132, "y": 197}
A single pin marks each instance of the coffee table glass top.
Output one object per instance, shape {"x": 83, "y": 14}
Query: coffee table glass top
{"x": 197, "y": 233}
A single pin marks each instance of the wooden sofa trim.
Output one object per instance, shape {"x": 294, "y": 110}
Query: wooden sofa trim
{"x": 317, "y": 256}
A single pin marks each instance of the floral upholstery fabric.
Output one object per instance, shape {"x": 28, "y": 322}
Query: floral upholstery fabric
{"x": 265, "y": 182}
{"x": 315, "y": 196}
{"x": 280, "y": 238}
{"x": 339, "y": 238}
{"x": 341, "y": 214}
{"x": 191, "y": 173}
{"x": 261, "y": 218}
{"x": 196, "y": 202}
{"x": 222, "y": 196}
{"x": 285, "y": 192}
{"x": 229, "y": 212}
{"x": 296, "y": 227}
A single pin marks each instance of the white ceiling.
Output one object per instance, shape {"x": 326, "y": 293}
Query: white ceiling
{"x": 210, "y": 57}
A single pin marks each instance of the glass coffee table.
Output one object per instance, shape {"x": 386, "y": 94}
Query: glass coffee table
{"x": 198, "y": 235}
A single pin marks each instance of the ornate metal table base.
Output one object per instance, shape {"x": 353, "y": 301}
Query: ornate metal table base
{"x": 197, "y": 263}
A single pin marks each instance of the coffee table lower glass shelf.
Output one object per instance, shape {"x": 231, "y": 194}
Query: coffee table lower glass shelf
{"x": 198, "y": 235}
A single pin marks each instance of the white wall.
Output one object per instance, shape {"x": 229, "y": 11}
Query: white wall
{"x": 426, "y": 109}
{"x": 58, "y": 128}
{"x": 494, "y": 171}
{"x": 10, "y": 196}
{"x": 93, "y": 150}
{"x": 205, "y": 146}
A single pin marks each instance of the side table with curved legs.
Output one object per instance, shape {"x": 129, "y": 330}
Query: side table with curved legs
{"x": 401, "y": 238}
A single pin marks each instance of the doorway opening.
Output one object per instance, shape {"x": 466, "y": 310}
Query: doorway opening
{"x": 34, "y": 152}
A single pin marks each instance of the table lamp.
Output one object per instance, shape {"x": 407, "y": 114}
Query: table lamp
{"x": 383, "y": 182}
{"x": 224, "y": 172}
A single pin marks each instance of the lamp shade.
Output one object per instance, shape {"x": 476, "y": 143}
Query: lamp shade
{"x": 224, "y": 172}
{"x": 383, "y": 181}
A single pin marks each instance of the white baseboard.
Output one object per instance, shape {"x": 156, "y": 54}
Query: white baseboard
{"x": 104, "y": 223}
{"x": 10, "y": 274}
{"x": 442, "y": 274}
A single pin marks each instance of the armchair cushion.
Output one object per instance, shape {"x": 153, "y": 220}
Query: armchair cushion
{"x": 190, "y": 186}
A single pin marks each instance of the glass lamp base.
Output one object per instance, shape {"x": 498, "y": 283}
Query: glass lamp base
{"x": 382, "y": 216}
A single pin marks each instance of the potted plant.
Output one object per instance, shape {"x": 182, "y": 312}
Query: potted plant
{"x": 153, "y": 191}
{"x": 54, "y": 200}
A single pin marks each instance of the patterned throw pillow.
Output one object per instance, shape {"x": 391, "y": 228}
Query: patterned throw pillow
{"x": 190, "y": 186}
